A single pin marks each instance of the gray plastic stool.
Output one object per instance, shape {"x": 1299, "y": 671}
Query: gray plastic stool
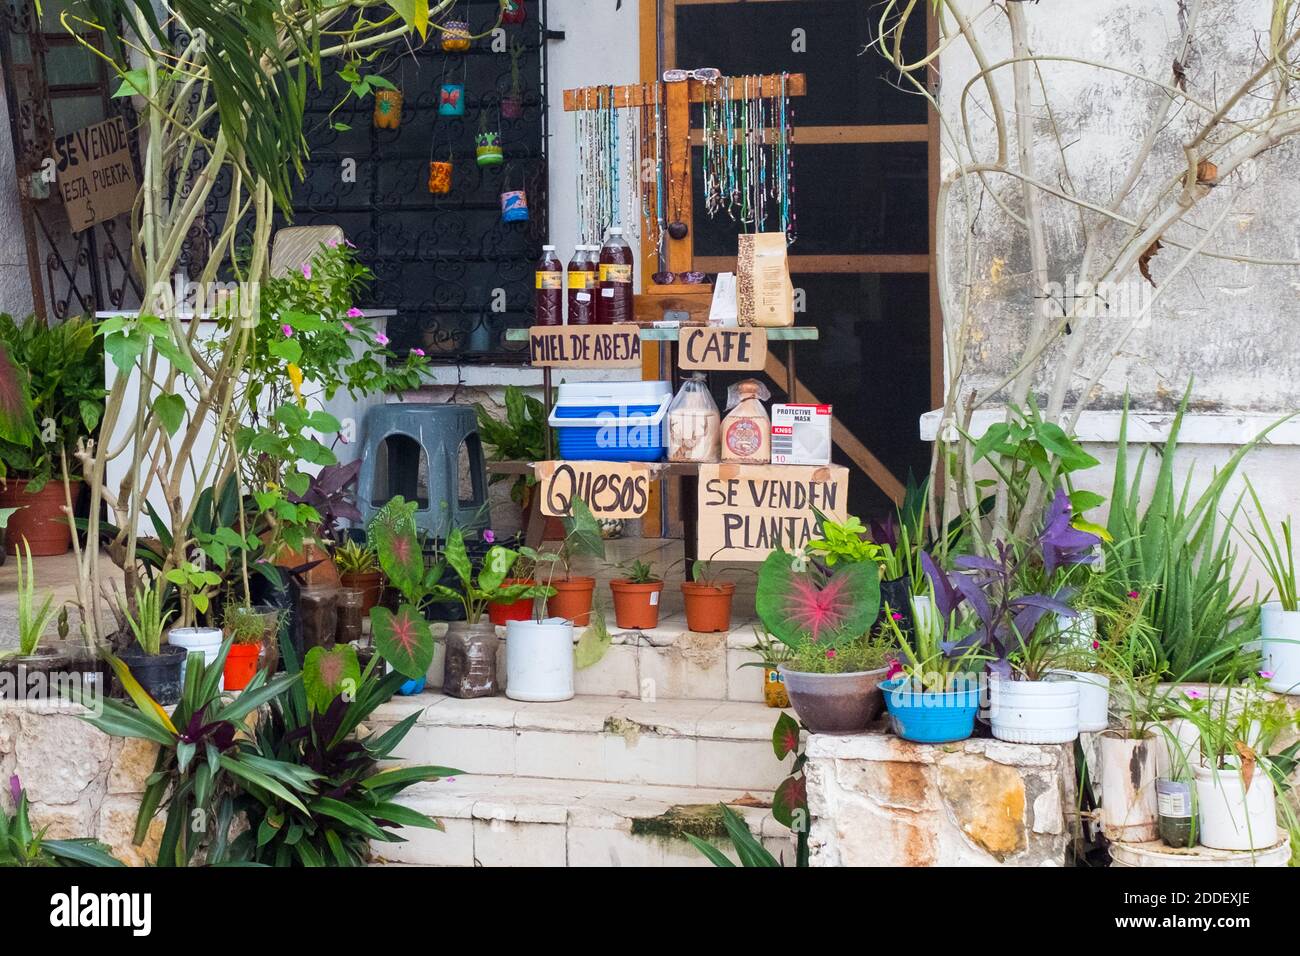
{"x": 397, "y": 437}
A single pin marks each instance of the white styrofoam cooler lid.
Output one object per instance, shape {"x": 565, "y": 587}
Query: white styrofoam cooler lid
{"x": 613, "y": 393}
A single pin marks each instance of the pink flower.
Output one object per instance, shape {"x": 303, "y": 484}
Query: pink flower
{"x": 381, "y": 338}
{"x": 830, "y": 653}
{"x": 355, "y": 313}
{"x": 1096, "y": 645}
{"x": 15, "y": 789}
{"x": 1267, "y": 675}
{"x": 1134, "y": 595}
{"x": 419, "y": 352}
{"x": 1193, "y": 694}
{"x": 349, "y": 243}
{"x": 287, "y": 329}
{"x": 489, "y": 535}
{"x": 332, "y": 243}
{"x": 347, "y": 327}
{"x": 306, "y": 270}
{"x": 894, "y": 668}
{"x": 896, "y": 616}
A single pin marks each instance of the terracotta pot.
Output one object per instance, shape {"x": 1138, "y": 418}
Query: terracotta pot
{"x": 470, "y": 666}
{"x": 774, "y": 692}
{"x": 241, "y": 665}
{"x": 572, "y": 600}
{"x": 708, "y": 606}
{"x": 369, "y": 583}
{"x": 636, "y": 606}
{"x": 40, "y": 518}
{"x": 835, "y": 703}
{"x": 35, "y": 677}
{"x": 324, "y": 574}
{"x": 521, "y": 610}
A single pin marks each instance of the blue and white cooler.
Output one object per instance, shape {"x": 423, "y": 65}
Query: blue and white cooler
{"x": 612, "y": 421}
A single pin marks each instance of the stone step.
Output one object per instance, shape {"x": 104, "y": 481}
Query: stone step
{"x": 665, "y": 662}
{"x": 679, "y": 743}
{"x": 512, "y": 821}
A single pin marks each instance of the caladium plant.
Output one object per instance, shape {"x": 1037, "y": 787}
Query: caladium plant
{"x": 828, "y": 608}
{"x": 476, "y": 593}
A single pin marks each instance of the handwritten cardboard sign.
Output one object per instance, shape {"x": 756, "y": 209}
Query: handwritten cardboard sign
{"x": 719, "y": 348}
{"x": 96, "y": 174}
{"x": 747, "y": 511}
{"x": 611, "y": 489}
{"x": 585, "y": 346}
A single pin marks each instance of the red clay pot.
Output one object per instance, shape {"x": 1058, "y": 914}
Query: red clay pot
{"x": 241, "y": 665}
{"x": 369, "y": 583}
{"x": 521, "y": 610}
{"x": 636, "y": 606}
{"x": 40, "y": 519}
{"x": 708, "y": 606}
{"x": 572, "y": 600}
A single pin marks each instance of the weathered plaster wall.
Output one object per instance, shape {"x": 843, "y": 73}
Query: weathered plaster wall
{"x": 1229, "y": 325}
{"x": 15, "y": 285}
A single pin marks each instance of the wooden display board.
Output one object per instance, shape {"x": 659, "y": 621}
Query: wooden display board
{"x": 747, "y": 511}
{"x": 721, "y": 348}
{"x": 611, "y": 489}
{"x": 585, "y": 346}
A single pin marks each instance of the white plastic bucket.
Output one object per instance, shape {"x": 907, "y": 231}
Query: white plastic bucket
{"x": 539, "y": 660}
{"x": 1035, "y": 712}
{"x": 1094, "y": 700}
{"x": 1234, "y": 817}
{"x": 1280, "y": 641}
{"x": 195, "y": 639}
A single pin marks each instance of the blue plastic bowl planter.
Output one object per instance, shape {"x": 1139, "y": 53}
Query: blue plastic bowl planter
{"x": 929, "y": 717}
{"x": 412, "y": 687}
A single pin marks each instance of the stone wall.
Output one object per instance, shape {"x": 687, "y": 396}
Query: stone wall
{"x": 80, "y": 781}
{"x": 876, "y": 800}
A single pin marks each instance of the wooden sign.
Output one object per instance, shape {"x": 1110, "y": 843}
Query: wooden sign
{"x": 611, "y": 489}
{"x": 585, "y": 346}
{"x": 721, "y": 348}
{"x": 747, "y": 511}
{"x": 96, "y": 173}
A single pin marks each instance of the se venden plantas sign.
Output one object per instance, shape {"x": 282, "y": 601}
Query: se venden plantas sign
{"x": 591, "y": 346}
{"x": 96, "y": 174}
{"x": 747, "y": 511}
{"x": 612, "y": 489}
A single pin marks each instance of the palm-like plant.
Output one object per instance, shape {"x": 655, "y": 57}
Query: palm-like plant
{"x": 23, "y": 845}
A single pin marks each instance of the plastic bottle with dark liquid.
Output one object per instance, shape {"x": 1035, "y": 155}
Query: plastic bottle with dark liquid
{"x": 616, "y": 272}
{"x": 549, "y": 288}
{"x": 581, "y": 279}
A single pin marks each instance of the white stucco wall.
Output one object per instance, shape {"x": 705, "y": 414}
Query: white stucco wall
{"x": 15, "y": 284}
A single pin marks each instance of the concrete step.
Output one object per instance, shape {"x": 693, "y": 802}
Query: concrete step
{"x": 505, "y": 821}
{"x": 678, "y": 743}
{"x": 665, "y": 662}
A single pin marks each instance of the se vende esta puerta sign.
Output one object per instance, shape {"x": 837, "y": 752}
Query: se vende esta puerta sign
{"x": 96, "y": 175}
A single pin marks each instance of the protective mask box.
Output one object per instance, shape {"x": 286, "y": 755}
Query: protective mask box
{"x": 801, "y": 434}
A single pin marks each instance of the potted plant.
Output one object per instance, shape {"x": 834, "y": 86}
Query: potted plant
{"x": 932, "y": 690}
{"x": 22, "y": 844}
{"x": 502, "y": 613}
{"x": 521, "y": 437}
{"x": 470, "y": 666}
{"x": 196, "y": 586}
{"x": 156, "y": 666}
{"x": 1235, "y": 781}
{"x": 512, "y": 104}
{"x": 246, "y": 628}
{"x": 358, "y": 568}
{"x": 573, "y": 595}
{"x": 1279, "y": 619}
{"x": 32, "y": 619}
{"x": 636, "y": 596}
{"x": 825, "y": 617}
{"x": 54, "y": 375}
{"x": 707, "y": 599}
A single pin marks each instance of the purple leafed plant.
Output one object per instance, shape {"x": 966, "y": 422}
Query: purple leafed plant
{"x": 333, "y": 494}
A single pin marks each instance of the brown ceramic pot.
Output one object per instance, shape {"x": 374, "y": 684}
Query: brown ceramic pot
{"x": 835, "y": 703}
{"x": 572, "y": 600}
{"x": 40, "y": 517}
{"x": 708, "y": 606}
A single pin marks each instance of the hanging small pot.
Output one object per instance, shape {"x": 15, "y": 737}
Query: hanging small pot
{"x": 388, "y": 109}
{"x": 512, "y": 106}
{"x": 513, "y": 12}
{"x": 487, "y": 148}
{"x": 451, "y": 99}
{"x": 455, "y": 36}
{"x": 514, "y": 206}
{"x": 440, "y": 178}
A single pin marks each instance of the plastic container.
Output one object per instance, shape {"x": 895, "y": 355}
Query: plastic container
{"x": 694, "y": 424}
{"x": 931, "y": 717}
{"x": 581, "y": 280}
{"x": 612, "y": 421}
{"x": 1233, "y": 816}
{"x": 1094, "y": 699}
{"x": 549, "y": 289}
{"x": 195, "y": 639}
{"x": 1035, "y": 711}
{"x": 539, "y": 660}
{"x": 241, "y": 665}
{"x": 616, "y": 265}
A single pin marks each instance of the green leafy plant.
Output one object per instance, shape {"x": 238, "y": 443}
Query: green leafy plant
{"x": 150, "y": 618}
{"x": 33, "y": 618}
{"x": 639, "y": 572}
{"x": 1276, "y": 557}
{"x": 748, "y": 849}
{"x": 354, "y": 557}
{"x": 521, "y": 437}
{"x": 21, "y": 845}
{"x": 866, "y": 653}
{"x": 403, "y": 637}
{"x": 842, "y": 542}
{"x": 64, "y": 389}
{"x": 196, "y": 585}
{"x": 804, "y": 605}
{"x": 243, "y": 624}
{"x": 477, "y": 592}
{"x": 349, "y": 801}
{"x": 582, "y": 537}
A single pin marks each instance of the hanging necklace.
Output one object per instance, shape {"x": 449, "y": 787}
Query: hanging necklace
{"x": 677, "y": 228}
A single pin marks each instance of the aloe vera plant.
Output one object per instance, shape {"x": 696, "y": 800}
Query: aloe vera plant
{"x": 1177, "y": 551}
{"x": 33, "y": 618}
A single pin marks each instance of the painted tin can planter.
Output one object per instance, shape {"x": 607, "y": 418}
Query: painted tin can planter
{"x": 835, "y": 703}
{"x": 512, "y": 107}
{"x": 513, "y": 12}
{"x": 774, "y": 692}
{"x": 514, "y": 206}
{"x": 388, "y": 109}
{"x": 440, "y": 178}
{"x": 487, "y": 149}
{"x": 930, "y": 717}
{"x": 1129, "y": 803}
{"x": 451, "y": 99}
{"x": 455, "y": 36}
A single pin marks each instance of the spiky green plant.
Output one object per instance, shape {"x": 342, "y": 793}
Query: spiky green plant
{"x": 149, "y": 621}
{"x": 32, "y": 619}
{"x": 1277, "y": 557}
